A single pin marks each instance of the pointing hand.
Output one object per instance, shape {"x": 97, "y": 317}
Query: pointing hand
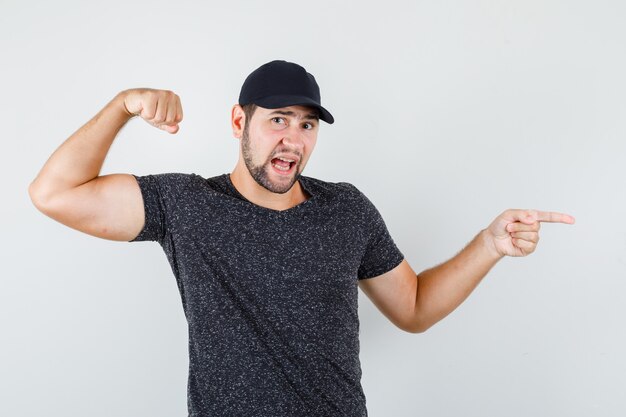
{"x": 516, "y": 232}
{"x": 160, "y": 108}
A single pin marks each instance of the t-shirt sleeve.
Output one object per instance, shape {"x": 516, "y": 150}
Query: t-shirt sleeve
{"x": 381, "y": 253}
{"x": 154, "y": 227}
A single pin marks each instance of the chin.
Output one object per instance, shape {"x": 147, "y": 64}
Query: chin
{"x": 280, "y": 184}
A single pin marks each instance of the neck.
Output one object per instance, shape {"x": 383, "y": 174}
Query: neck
{"x": 255, "y": 193}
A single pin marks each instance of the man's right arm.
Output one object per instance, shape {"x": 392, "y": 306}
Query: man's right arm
{"x": 69, "y": 189}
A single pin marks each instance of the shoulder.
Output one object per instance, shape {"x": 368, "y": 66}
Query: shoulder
{"x": 174, "y": 179}
{"x": 170, "y": 185}
{"x": 343, "y": 193}
{"x": 331, "y": 188}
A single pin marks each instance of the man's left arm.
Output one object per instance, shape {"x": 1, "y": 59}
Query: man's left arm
{"x": 415, "y": 302}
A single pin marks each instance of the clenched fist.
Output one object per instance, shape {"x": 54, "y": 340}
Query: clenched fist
{"x": 160, "y": 108}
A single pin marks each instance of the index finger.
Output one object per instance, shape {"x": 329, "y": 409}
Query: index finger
{"x": 553, "y": 217}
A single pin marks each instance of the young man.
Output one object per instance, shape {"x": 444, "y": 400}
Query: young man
{"x": 267, "y": 261}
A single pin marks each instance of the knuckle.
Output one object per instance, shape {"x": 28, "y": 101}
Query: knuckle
{"x": 148, "y": 112}
{"x": 150, "y": 95}
{"x": 149, "y": 108}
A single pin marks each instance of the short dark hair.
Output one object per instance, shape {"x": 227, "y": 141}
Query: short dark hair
{"x": 248, "y": 110}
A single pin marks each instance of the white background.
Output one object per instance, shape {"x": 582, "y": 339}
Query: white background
{"x": 447, "y": 113}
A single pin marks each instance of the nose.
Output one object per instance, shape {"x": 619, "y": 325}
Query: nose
{"x": 294, "y": 139}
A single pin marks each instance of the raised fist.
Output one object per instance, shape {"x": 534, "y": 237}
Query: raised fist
{"x": 160, "y": 108}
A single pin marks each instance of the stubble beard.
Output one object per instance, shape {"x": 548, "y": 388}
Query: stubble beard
{"x": 260, "y": 172}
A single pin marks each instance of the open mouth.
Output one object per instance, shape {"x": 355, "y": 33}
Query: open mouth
{"x": 283, "y": 165}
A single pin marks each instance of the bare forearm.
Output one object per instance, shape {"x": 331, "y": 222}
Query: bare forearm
{"x": 79, "y": 159}
{"x": 443, "y": 288}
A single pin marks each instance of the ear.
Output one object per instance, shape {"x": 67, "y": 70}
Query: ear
{"x": 237, "y": 120}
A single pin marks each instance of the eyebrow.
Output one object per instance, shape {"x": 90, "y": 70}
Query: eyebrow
{"x": 310, "y": 116}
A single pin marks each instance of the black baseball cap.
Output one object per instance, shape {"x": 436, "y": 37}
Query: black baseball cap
{"x": 282, "y": 84}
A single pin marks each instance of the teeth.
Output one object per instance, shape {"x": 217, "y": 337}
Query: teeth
{"x": 286, "y": 160}
{"x": 281, "y": 168}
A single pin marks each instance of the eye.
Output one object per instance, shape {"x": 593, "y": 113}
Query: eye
{"x": 279, "y": 120}
{"x": 308, "y": 126}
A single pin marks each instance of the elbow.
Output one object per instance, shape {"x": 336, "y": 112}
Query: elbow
{"x": 417, "y": 326}
{"x": 417, "y": 330}
{"x": 37, "y": 196}
{"x": 33, "y": 193}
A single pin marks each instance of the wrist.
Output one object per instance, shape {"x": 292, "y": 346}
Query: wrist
{"x": 120, "y": 103}
{"x": 487, "y": 241}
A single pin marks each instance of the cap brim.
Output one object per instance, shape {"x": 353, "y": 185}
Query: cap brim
{"x": 275, "y": 102}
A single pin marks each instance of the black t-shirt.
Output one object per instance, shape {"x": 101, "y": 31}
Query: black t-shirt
{"x": 270, "y": 297}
